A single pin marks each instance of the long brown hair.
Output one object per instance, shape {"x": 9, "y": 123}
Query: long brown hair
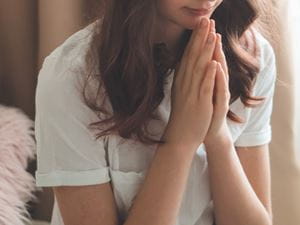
{"x": 132, "y": 70}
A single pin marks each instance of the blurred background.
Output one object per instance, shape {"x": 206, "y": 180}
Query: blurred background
{"x": 31, "y": 29}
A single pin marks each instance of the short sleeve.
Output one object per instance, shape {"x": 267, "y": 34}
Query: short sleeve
{"x": 257, "y": 130}
{"x": 67, "y": 151}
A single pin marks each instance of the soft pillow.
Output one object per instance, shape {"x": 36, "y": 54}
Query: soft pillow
{"x": 17, "y": 147}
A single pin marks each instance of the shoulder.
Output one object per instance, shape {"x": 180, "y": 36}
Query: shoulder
{"x": 72, "y": 46}
{"x": 266, "y": 51}
{"x": 63, "y": 85}
{"x": 68, "y": 56}
{"x": 255, "y": 43}
{"x": 62, "y": 71}
{"x": 267, "y": 64}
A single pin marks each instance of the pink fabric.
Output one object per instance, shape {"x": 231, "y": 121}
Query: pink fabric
{"x": 17, "y": 147}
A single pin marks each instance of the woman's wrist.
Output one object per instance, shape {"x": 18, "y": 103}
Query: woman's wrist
{"x": 222, "y": 142}
{"x": 180, "y": 144}
{"x": 182, "y": 149}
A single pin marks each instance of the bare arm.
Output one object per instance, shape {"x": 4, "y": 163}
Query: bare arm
{"x": 238, "y": 189}
{"x": 239, "y": 180}
{"x": 84, "y": 205}
{"x": 159, "y": 198}
{"x": 256, "y": 164}
{"x": 157, "y": 203}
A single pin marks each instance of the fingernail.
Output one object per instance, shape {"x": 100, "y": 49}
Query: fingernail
{"x": 203, "y": 23}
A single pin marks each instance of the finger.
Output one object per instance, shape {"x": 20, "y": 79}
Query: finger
{"x": 190, "y": 44}
{"x": 195, "y": 49}
{"x": 207, "y": 86}
{"x": 212, "y": 26}
{"x": 222, "y": 91}
{"x": 181, "y": 67}
{"x": 220, "y": 56}
{"x": 204, "y": 58}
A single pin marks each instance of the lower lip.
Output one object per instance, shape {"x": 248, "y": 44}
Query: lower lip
{"x": 201, "y": 12}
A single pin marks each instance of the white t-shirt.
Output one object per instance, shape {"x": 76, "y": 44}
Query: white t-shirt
{"x": 68, "y": 154}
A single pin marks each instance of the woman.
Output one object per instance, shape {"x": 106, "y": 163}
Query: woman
{"x": 181, "y": 142}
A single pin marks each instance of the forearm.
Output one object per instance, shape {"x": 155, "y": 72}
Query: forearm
{"x": 159, "y": 199}
{"x": 235, "y": 201}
